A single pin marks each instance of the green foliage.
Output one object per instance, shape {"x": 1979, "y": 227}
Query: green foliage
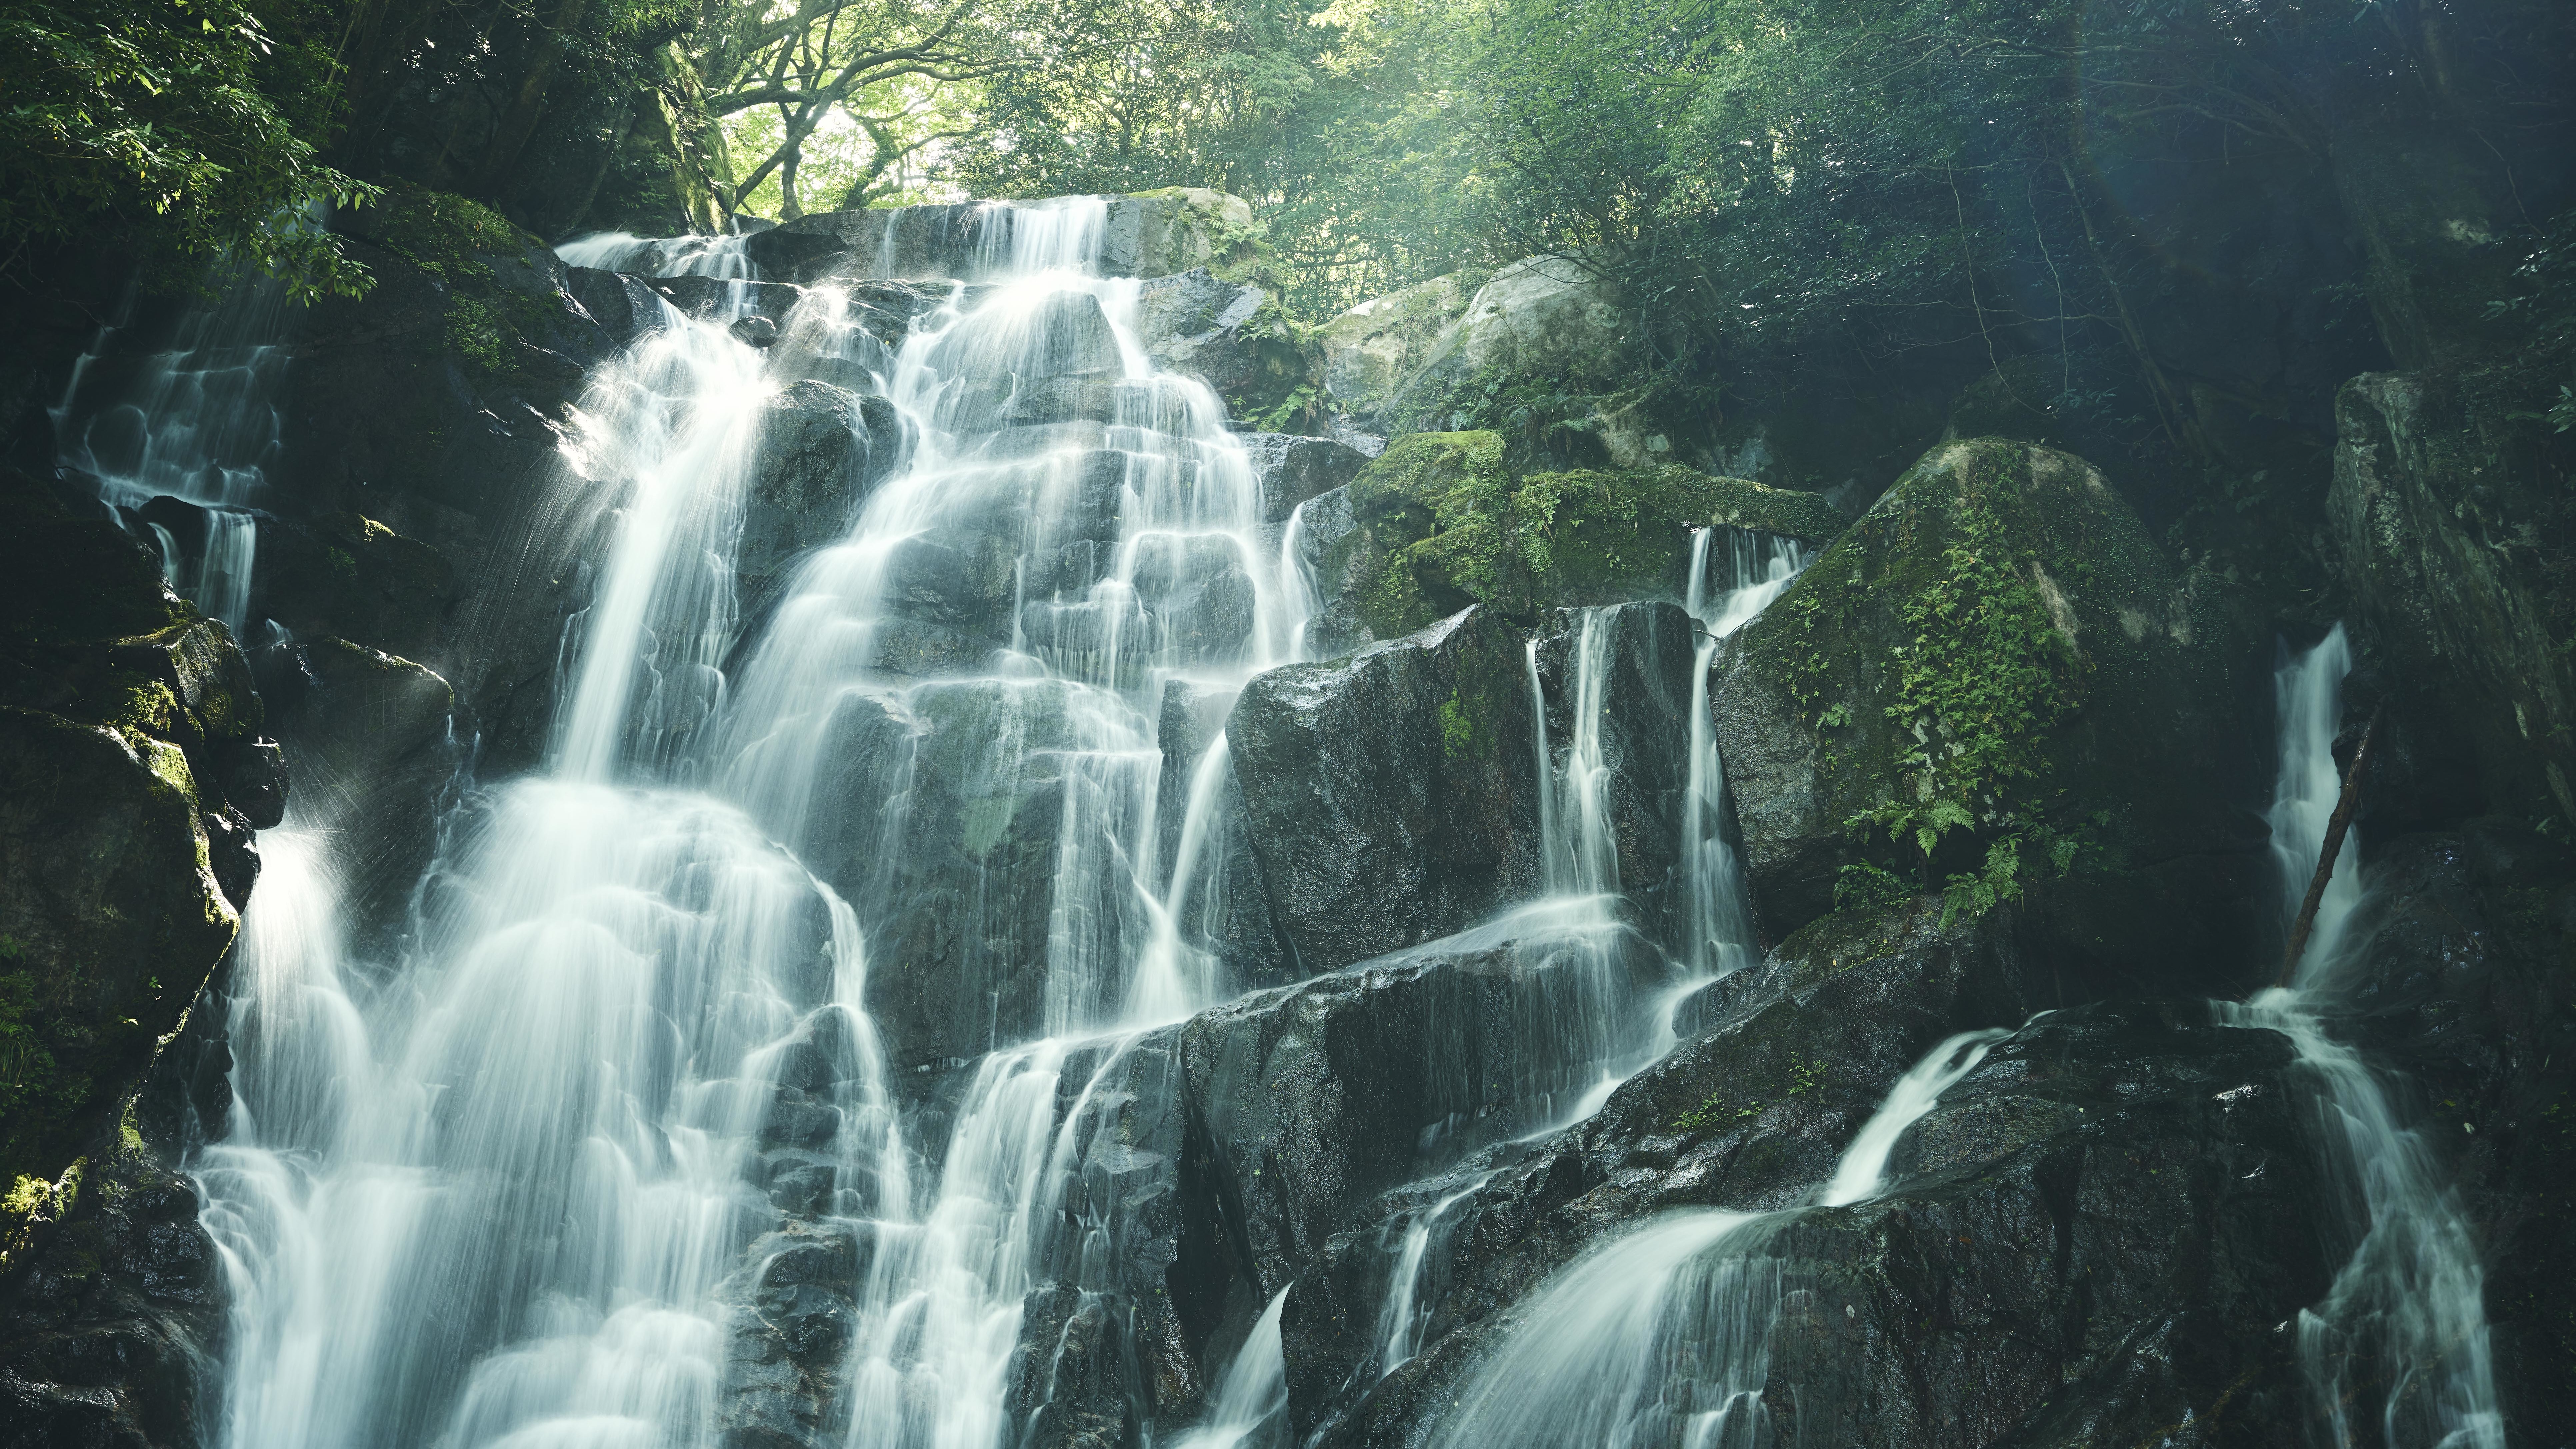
{"x": 192, "y": 124}
{"x": 1861, "y": 886}
{"x": 1716, "y": 1113}
{"x": 1984, "y": 675}
{"x": 1457, "y": 730}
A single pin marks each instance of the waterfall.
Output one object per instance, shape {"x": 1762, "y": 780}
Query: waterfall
{"x": 1662, "y": 1335}
{"x": 1717, "y": 931}
{"x": 494, "y": 1193}
{"x": 2408, "y": 1305}
{"x": 1400, "y": 1322}
{"x": 1255, "y": 1392}
{"x": 196, "y": 424}
{"x": 1862, "y": 1173}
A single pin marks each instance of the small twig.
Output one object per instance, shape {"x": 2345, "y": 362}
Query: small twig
{"x": 2335, "y": 828}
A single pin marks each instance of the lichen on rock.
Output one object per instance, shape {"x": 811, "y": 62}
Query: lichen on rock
{"x": 1994, "y": 682}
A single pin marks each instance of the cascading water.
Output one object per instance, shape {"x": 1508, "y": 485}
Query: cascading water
{"x": 196, "y": 423}
{"x": 497, "y": 1204}
{"x": 1255, "y": 1393}
{"x": 2406, "y": 1315}
{"x": 1717, "y": 931}
{"x": 493, "y": 1203}
{"x": 1662, "y": 1336}
{"x": 1581, "y": 872}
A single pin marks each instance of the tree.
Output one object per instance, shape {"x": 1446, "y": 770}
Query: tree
{"x": 190, "y": 126}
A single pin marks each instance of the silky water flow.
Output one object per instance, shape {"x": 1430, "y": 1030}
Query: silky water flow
{"x": 494, "y": 1193}
{"x": 2397, "y": 1354}
{"x": 180, "y": 438}
{"x": 490, "y": 1198}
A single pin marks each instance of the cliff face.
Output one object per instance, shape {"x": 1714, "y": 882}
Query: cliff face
{"x": 1456, "y": 866}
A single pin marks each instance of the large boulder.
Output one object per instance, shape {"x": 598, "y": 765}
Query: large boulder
{"x": 1389, "y": 793}
{"x": 112, "y": 915}
{"x": 125, "y": 718}
{"x": 1995, "y": 683}
{"x": 823, "y": 449}
{"x": 1293, "y": 469}
{"x": 2445, "y": 512}
{"x": 1371, "y": 350}
{"x": 1550, "y": 317}
{"x": 1232, "y": 337}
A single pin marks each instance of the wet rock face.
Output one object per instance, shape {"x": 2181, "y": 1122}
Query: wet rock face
{"x": 1294, "y": 469}
{"x": 823, "y": 450}
{"x": 110, "y": 1332}
{"x": 1118, "y": 1335}
{"x": 2459, "y": 984}
{"x": 2126, "y": 1180}
{"x": 1642, "y": 654}
{"x": 1232, "y": 337}
{"x": 1385, "y": 791}
{"x": 2126, "y": 737}
{"x": 2430, "y": 471}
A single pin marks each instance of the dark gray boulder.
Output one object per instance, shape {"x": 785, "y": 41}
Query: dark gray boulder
{"x": 823, "y": 449}
{"x": 1294, "y": 469}
{"x": 623, "y": 306}
{"x": 1389, "y": 792}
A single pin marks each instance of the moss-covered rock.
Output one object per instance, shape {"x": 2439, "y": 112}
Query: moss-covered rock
{"x": 1180, "y": 227}
{"x": 110, "y": 918}
{"x": 1441, "y": 523}
{"x": 1995, "y": 682}
{"x": 121, "y": 711}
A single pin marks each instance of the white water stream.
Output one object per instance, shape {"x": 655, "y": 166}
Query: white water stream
{"x": 196, "y": 422}
{"x": 498, "y": 1194}
{"x": 2397, "y": 1355}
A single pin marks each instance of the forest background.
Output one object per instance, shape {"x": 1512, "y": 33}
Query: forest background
{"x": 2051, "y": 211}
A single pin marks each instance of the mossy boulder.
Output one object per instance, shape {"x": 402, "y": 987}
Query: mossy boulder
{"x": 1441, "y": 523}
{"x": 1995, "y": 687}
{"x": 110, "y": 918}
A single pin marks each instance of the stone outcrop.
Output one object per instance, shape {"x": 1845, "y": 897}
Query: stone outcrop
{"x": 1999, "y": 633}
{"x": 1385, "y": 790}
{"x": 2443, "y": 516}
{"x": 1372, "y": 350}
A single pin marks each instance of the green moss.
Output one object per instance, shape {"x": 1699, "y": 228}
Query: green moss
{"x": 1717, "y": 1113}
{"x": 1451, "y": 527}
{"x": 1457, "y": 729}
